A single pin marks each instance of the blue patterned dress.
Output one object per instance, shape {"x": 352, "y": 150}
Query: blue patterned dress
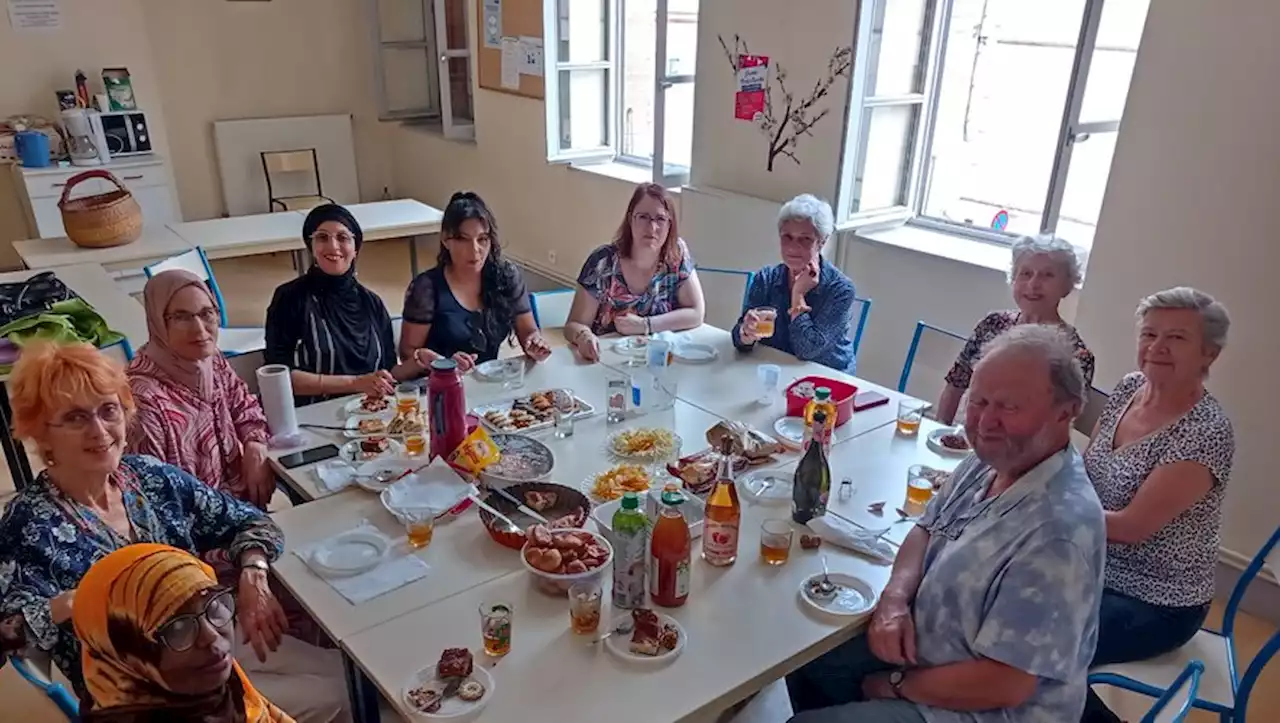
{"x": 48, "y": 543}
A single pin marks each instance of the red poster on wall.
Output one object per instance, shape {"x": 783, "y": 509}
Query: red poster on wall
{"x": 753, "y": 78}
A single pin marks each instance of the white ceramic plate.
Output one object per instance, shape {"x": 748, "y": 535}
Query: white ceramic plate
{"x": 353, "y": 425}
{"x": 767, "y": 487}
{"x": 355, "y": 406}
{"x": 692, "y": 352}
{"x": 620, "y": 644}
{"x": 350, "y": 553}
{"x": 790, "y": 431}
{"x": 351, "y": 451}
{"x": 655, "y": 455}
{"x": 454, "y": 707}
{"x": 854, "y": 596}
{"x": 934, "y": 442}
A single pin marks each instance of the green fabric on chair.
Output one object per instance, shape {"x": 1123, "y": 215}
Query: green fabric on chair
{"x": 66, "y": 322}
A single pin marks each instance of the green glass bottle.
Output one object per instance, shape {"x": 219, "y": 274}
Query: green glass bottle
{"x": 813, "y": 476}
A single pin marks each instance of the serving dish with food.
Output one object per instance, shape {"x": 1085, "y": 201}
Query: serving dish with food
{"x": 531, "y": 413}
{"x": 698, "y": 471}
{"x": 563, "y": 507}
{"x": 644, "y": 443}
{"x": 948, "y": 441}
{"x": 523, "y": 459}
{"x": 653, "y": 638}
{"x": 559, "y": 558}
{"x": 802, "y": 390}
{"x": 452, "y": 688}
{"x": 617, "y": 481}
{"x": 368, "y": 404}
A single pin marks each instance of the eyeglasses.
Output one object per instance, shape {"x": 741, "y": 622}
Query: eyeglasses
{"x": 325, "y": 237}
{"x": 182, "y": 631}
{"x": 78, "y": 420}
{"x": 650, "y": 219}
{"x": 207, "y": 316}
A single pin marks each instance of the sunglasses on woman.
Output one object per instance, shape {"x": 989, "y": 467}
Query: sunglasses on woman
{"x": 182, "y": 631}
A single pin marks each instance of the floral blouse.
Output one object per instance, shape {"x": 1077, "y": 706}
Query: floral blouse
{"x": 48, "y": 543}
{"x": 601, "y": 276}
{"x": 995, "y": 324}
{"x": 205, "y": 437}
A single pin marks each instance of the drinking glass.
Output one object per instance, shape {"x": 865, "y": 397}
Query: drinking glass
{"x": 775, "y": 541}
{"x": 415, "y": 445}
{"x": 770, "y": 375}
{"x": 584, "y": 606}
{"x": 919, "y": 486}
{"x": 495, "y": 628}
{"x": 513, "y": 373}
{"x": 563, "y": 423}
{"x": 766, "y": 316}
{"x": 419, "y": 526}
{"x": 910, "y": 413}
{"x": 407, "y": 400}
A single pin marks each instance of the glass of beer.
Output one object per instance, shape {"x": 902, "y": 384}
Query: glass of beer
{"x": 407, "y": 404}
{"x": 765, "y": 318}
{"x": 495, "y": 628}
{"x": 775, "y": 541}
{"x": 584, "y": 606}
{"x": 419, "y": 526}
{"x": 415, "y": 445}
{"x": 919, "y": 486}
{"x": 910, "y": 413}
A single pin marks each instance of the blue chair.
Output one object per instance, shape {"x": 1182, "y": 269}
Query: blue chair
{"x": 861, "y": 310}
{"x": 122, "y": 349}
{"x": 724, "y": 292}
{"x": 1224, "y": 690}
{"x": 40, "y": 675}
{"x": 933, "y": 350}
{"x": 551, "y": 308}
{"x": 1175, "y": 704}
{"x": 232, "y": 340}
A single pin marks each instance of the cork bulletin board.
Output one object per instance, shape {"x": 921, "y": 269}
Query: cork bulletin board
{"x": 511, "y": 56}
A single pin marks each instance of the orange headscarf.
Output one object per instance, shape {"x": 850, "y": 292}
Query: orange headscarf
{"x": 142, "y": 586}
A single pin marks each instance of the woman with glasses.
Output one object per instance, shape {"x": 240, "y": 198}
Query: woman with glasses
{"x": 74, "y": 405}
{"x": 332, "y": 331}
{"x": 157, "y": 632}
{"x": 473, "y": 300}
{"x": 644, "y": 282}
{"x": 193, "y": 411}
{"x": 803, "y": 305}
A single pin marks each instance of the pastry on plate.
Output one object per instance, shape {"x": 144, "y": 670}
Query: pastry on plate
{"x": 454, "y": 663}
{"x": 371, "y": 425}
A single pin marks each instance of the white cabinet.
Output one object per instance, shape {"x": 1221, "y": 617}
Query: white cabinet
{"x": 147, "y": 177}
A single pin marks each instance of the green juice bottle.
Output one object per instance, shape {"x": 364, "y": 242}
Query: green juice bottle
{"x": 630, "y": 543}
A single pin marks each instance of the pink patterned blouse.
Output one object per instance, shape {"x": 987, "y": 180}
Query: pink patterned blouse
{"x": 203, "y": 437}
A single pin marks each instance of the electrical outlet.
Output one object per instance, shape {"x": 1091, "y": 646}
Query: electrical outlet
{"x": 551, "y": 257}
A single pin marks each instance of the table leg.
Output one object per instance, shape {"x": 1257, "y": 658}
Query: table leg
{"x": 413, "y": 256}
{"x": 364, "y": 695}
{"x": 14, "y": 454}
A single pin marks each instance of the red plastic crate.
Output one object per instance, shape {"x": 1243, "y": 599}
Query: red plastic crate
{"x": 841, "y": 393}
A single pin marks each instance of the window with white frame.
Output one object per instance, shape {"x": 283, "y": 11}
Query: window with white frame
{"x": 992, "y": 118}
{"x": 620, "y": 83}
{"x": 422, "y": 58}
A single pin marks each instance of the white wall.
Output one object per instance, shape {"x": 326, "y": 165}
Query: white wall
{"x": 1192, "y": 200}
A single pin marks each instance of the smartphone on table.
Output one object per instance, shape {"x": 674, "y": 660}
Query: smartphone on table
{"x": 867, "y": 400}
{"x": 308, "y": 456}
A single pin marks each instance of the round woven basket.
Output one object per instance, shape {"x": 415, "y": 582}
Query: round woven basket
{"x": 103, "y": 220}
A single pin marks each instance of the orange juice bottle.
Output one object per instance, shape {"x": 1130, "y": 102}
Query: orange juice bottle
{"x": 669, "y": 553}
{"x": 723, "y": 515}
{"x": 821, "y": 400}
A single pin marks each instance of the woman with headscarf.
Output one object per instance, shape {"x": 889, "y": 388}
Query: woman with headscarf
{"x": 194, "y": 412}
{"x": 333, "y": 332}
{"x": 157, "y": 633}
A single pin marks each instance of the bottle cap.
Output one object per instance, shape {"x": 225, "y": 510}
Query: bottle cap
{"x": 822, "y": 394}
{"x": 819, "y": 416}
{"x": 671, "y": 495}
{"x": 443, "y": 365}
{"x": 630, "y": 501}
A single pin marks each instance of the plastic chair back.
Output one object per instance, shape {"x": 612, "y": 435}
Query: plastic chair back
{"x": 725, "y": 294}
{"x": 1175, "y": 704}
{"x": 197, "y": 263}
{"x": 551, "y": 308}
{"x": 932, "y": 352}
{"x": 37, "y": 669}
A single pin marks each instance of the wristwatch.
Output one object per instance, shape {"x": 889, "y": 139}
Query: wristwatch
{"x": 256, "y": 563}
{"x": 896, "y": 679}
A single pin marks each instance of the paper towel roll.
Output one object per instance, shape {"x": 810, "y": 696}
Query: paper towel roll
{"x": 276, "y": 387}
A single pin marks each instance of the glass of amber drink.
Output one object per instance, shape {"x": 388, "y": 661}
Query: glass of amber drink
{"x": 775, "y": 541}
{"x": 584, "y": 606}
{"x": 407, "y": 403}
{"x": 919, "y": 486}
{"x": 415, "y": 445}
{"x": 910, "y": 413}
{"x": 766, "y": 316}
{"x": 495, "y": 628}
{"x": 419, "y": 526}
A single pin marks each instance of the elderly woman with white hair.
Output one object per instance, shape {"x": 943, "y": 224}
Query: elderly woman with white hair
{"x": 1045, "y": 269}
{"x": 807, "y": 297}
{"x": 1160, "y": 457}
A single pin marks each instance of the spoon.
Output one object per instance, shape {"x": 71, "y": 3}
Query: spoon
{"x": 511, "y": 526}
{"x": 825, "y": 589}
{"x": 623, "y": 628}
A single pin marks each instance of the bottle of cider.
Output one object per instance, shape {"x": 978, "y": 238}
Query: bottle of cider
{"x": 813, "y": 477}
{"x": 723, "y": 514}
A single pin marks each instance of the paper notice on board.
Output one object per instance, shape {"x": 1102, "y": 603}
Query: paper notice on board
{"x": 753, "y": 78}
{"x": 511, "y": 63}
{"x": 492, "y": 18}
{"x": 530, "y": 56}
{"x": 35, "y": 15}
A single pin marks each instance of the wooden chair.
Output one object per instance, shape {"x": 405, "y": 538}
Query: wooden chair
{"x": 298, "y": 164}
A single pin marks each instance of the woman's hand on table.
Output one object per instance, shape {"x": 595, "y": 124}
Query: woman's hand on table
{"x": 892, "y": 634}
{"x": 587, "y": 346}
{"x": 377, "y": 384}
{"x": 259, "y": 613}
{"x": 748, "y": 333}
{"x": 536, "y": 347}
{"x": 465, "y": 361}
{"x": 631, "y": 325}
{"x": 255, "y": 471}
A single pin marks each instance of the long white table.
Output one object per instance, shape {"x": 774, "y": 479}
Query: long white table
{"x": 156, "y": 244}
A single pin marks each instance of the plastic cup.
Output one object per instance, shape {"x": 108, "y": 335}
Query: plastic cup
{"x": 770, "y": 377}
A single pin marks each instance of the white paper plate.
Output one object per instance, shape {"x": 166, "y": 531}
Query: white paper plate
{"x": 620, "y": 644}
{"x": 350, "y": 553}
{"x": 790, "y": 431}
{"x": 692, "y": 352}
{"x": 353, "y": 425}
{"x": 651, "y": 456}
{"x": 454, "y": 707}
{"x": 853, "y": 598}
{"x": 655, "y": 482}
{"x": 934, "y": 443}
{"x": 767, "y": 487}
{"x": 351, "y": 451}
{"x": 355, "y": 406}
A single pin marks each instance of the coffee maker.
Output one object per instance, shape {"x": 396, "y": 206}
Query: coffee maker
{"x": 86, "y": 142}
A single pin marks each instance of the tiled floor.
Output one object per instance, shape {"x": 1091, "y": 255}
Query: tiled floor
{"x": 247, "y": 285}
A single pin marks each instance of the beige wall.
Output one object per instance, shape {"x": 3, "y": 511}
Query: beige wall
{"x": 220, "y": 60}
{"x": 1192, "y": 200}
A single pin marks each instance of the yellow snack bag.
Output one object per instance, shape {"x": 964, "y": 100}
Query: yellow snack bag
{"x": 475, "y": 453}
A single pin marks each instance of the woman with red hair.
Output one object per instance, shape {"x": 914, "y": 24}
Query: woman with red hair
{"x": 644, "y": 282}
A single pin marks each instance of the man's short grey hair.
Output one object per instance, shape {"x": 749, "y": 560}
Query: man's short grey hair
{"x": 1053, "y": 345}
{"x": 808, "y": 207}
{"x": 1058, "y": 249}
{"x": 1213, "y": 315}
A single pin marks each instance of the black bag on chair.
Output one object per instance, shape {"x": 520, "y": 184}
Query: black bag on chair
{"x": 36, "y": 295}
